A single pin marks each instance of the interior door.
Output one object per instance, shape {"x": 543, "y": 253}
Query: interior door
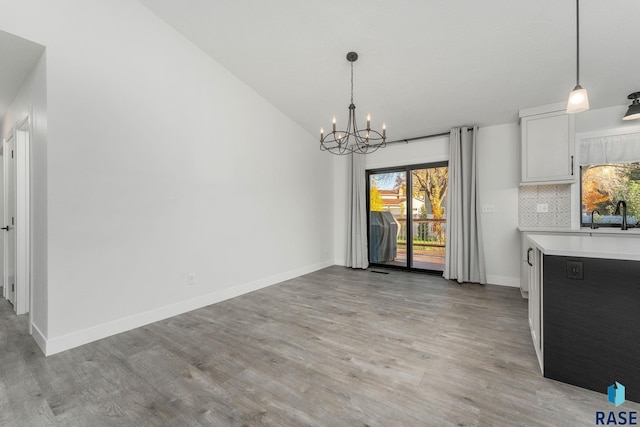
{"x": 9, "y": 220}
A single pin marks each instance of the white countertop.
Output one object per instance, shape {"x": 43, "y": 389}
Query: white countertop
{"x": 587, "y": 246}
{"x": 583, "y": 230}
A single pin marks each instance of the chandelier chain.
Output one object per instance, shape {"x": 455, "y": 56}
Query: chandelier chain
{"x": 352, "y": 82}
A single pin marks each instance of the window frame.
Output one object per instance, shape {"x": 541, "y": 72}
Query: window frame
{"x": 588, "y": 214}
{"x": 407, "y": 169}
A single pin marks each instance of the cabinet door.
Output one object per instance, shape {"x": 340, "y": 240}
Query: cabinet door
{"x": 535, "y": 301}
{"x": 548, "y": 148}
{"x": 534, "y": 304}
{"x": 524, "y": 266}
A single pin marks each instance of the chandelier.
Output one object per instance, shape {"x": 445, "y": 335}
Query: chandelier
{"x": 352, "y": 139}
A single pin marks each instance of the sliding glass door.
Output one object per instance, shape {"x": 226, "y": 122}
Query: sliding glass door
{"x": 388, "y": 218}
{"x": 407, "y": 218}
{"x": 429, "y": 189}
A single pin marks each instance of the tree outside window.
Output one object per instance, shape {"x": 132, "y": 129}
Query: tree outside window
{"x": 604, "y": 185}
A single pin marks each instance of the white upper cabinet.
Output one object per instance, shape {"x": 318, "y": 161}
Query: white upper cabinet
{"x": 548, "y": 145}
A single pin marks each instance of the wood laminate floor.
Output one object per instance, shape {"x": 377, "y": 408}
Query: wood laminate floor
{"x": 337, "y": 347}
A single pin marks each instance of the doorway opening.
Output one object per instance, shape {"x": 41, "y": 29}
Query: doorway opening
{"x": 407, "y": 218}
{"x": 16, "y": 229}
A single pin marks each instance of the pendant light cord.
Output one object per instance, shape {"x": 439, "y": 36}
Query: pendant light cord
{"x": 578, "y": 42}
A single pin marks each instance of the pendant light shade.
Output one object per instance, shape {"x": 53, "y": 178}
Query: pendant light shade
{"x": 634, "y": 109}
{"x": 578, "y": 98}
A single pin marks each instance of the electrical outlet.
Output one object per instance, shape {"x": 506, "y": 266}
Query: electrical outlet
{"x": 574, "y": 270}
{"x": 488, "y": 208}
{"x": 191, "y": 279}
{"x": 542, "y": 207}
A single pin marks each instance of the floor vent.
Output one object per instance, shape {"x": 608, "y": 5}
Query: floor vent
{"x": 379, "y": 272}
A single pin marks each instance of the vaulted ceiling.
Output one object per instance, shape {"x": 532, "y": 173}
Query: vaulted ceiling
{"x": 424, "y": 66}
{"x": 18, "y": 57}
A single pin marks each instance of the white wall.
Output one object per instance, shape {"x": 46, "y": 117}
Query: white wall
{"x": 499, "y": 179}
{"x": 610, "y": 118}
{"x": 499, "y": 176}
{"x": 412, "y": 153}
{"x": 31, "y": 101}
{"x": 426, "y": 151}
{"x": 149, "y": 144}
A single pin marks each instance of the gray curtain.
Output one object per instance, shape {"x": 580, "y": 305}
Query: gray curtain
{"x": 357, "y": 221}
{"x": 464, "y": 257}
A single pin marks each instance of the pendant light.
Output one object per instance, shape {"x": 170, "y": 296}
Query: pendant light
{"x": 578, "y": 98}
{"x": 634, "y": 109}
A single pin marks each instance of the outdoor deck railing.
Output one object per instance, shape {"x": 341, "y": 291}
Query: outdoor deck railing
{"x": 427, "y": 232}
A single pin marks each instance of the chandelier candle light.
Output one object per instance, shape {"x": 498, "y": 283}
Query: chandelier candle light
{"x": 353, "y": 140}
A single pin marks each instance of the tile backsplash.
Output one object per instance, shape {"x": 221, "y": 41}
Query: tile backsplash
{"x": 558, "y": 201}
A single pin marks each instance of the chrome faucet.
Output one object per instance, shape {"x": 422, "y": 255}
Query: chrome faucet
{"x": 593, "y": 224}
{"x": 624, "y": 213}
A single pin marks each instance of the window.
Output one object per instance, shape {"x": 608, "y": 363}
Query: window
{"x": 610, "y": 172}
{"x": 602, "y": 186}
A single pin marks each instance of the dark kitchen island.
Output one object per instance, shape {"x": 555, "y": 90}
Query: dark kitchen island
{"x": 590, "y": 311}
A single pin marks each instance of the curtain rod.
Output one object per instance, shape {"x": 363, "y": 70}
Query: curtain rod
{"x": 434, "y": 135}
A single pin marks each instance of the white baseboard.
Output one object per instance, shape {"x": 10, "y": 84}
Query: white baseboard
{"x": 39, "y": 338}
{"x": 65, "y": 342}
{"x": 513, "y": 282}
